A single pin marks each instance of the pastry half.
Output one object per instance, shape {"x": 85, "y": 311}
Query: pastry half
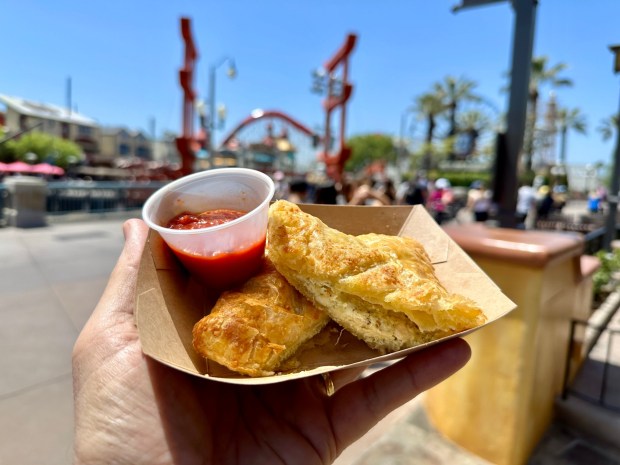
{"x": 253, "y": 329}
{"x": 383, "y": 289}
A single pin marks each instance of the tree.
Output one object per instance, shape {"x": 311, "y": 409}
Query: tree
{"x": 473, "y": 124}
{"x": 453, "y": 91}
{"x": 428, "y": 107}
{"x": 367, "y": 148}
{"x": 46, "y": 148}
{"x": 541, "y": 74}
{"x": 569, "y": 119}
{"x": 608, "y": 127}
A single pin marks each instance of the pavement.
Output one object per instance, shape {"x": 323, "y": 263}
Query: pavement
{"x": 51, "y": 279}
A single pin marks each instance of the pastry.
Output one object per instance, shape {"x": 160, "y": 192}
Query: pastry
{"x": 252, "y": 329}
{"x": 382, "y": 289}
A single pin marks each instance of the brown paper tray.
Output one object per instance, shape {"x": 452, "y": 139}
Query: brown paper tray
{"x": 170, "y": 301}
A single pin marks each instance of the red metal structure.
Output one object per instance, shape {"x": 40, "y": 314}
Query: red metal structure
{"x": 335, "y": 162}
{"x": 267, "y": 114}
{"x": 339, "y": 91}
{"x": 270, "y": 140}
{"x": 187, "y": 144}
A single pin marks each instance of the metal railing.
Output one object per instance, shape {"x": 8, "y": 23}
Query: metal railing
{"x": 66, "y": 197}
{"x": 97, "y": 197}
{"x": 603, "y": 369}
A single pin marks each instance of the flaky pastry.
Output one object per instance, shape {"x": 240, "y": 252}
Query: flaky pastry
{"x": 382, "y": 289}
{"x": 253, "y": 329}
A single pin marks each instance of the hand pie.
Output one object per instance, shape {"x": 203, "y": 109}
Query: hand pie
{"x": 253, "y": 329}
{"x": 382, "y": 289}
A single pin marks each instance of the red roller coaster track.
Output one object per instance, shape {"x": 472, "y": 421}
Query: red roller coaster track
{"x": 188, "y": 143}
{"x": 262, "y": 114}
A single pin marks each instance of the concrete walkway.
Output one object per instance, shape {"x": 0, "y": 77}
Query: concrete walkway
{"x": 51, "y": 279}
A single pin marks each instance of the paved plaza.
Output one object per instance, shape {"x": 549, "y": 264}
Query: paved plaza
{"x": 51, "y": 279}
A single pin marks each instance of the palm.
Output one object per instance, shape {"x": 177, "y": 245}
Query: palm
{"x": 541, "y": 74}
{"x": 186, "y": 416}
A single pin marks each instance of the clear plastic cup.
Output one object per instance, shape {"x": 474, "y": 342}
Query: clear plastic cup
{"x": 223, "y": 255}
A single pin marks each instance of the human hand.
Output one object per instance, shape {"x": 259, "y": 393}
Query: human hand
{"x": 130, "y": 409}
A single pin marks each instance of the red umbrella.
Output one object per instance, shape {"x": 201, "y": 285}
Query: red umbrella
{"x": 47, "y": 169}
{"x": 18, "y": 167}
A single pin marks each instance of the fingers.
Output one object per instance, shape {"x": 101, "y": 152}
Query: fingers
{"x": 358, "y": 406}
{"x": 341, "y": 378}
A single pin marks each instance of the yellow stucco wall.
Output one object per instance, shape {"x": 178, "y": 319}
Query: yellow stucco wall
{"x": 501, "y": 403}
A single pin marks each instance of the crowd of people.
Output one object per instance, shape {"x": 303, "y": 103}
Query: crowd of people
{"x": 444, "y": 202}
{"x": 437, "y": 196}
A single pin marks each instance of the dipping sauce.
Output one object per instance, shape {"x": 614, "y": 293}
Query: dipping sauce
{"x": 206, "y": 219}
{"x": 226, "y": 269}
{"x": 221, "y": 270}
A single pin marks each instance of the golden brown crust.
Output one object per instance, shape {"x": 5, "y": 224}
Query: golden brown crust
{"x": 367, "y": 283}
{"x": 251, "y": 330}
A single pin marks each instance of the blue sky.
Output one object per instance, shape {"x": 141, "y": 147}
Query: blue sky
{"x": 123, "y": 56}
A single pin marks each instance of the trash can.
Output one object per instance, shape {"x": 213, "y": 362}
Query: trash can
{"x": 502, "y": 402}
{"x": 26, "y": 206}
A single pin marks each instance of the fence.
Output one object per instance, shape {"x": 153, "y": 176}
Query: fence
{"x": 97, "y": 197}
{"x": 602, "y": 375}
{"x": 89, "y": 197}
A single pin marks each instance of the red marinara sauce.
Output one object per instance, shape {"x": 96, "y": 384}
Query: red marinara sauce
{"x": 206, "y": 219}
{"x": 225, "y": 269}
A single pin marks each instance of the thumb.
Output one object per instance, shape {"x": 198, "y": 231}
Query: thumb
{"x": 117, "y": 301}
{"x": 114, "y": 312}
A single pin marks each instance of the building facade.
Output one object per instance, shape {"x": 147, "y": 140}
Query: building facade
{"x": 23, "y": 116}
{"x": 123, "y": 143}
{"x": 102, "y": 146}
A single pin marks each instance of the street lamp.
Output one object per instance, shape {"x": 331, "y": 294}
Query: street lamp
{"x": 510, "y": 143}
{"x": 231, "y": 72}
{"x": 402, "y": 145}
{"x": 610, "y": 229}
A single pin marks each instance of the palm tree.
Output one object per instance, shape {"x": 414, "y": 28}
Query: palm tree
{"x": 428, "y": 106}
{"x": 453, "y": 91}
{"x": 473, "y": 123}
{"x": 608, "y": 127}
{"x": 569, "y": 119}
{"x": 541, "y": 74}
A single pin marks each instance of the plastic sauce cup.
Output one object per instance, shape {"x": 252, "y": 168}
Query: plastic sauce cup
{"x": 227, "y": 254}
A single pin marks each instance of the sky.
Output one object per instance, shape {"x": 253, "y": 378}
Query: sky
{"x": 123, "y": 57}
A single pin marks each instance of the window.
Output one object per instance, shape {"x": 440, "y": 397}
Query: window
{"x": 123, "y": 149}
{"x": 143, "y": 152}
{"x": 65, "y": 131}
{"x": 85, "y": 130}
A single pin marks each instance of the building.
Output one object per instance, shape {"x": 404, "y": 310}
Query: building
{"x": 111, "y": 153}
{"x": 116, "y": 142}
{"x": 22, "y": 116}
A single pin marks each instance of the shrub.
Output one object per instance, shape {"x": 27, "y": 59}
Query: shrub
{"x": 603, "y": 279}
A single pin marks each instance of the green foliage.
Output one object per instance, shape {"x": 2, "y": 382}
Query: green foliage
{"x": 45, "y": 147}
{"x": 603, "y": 277}
{"x": 608, "y": 127}
{"x": 527, "y": 177}
{"x": 430, "y": 155}
{"x": 367, "y": 148}
{"x": 463, "y": 179}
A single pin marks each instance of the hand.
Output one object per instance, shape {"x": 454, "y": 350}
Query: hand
{"x": 130, "y": 409}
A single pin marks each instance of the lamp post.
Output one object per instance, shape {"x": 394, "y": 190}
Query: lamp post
{"x": 610, "y": 227}
{"x": 231, "y": 72}
{"x": 402, "y": 146}
{"x": 509, "y": 145}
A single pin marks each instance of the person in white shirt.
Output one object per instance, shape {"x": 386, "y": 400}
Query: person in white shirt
{"x": 526, "y": 205}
